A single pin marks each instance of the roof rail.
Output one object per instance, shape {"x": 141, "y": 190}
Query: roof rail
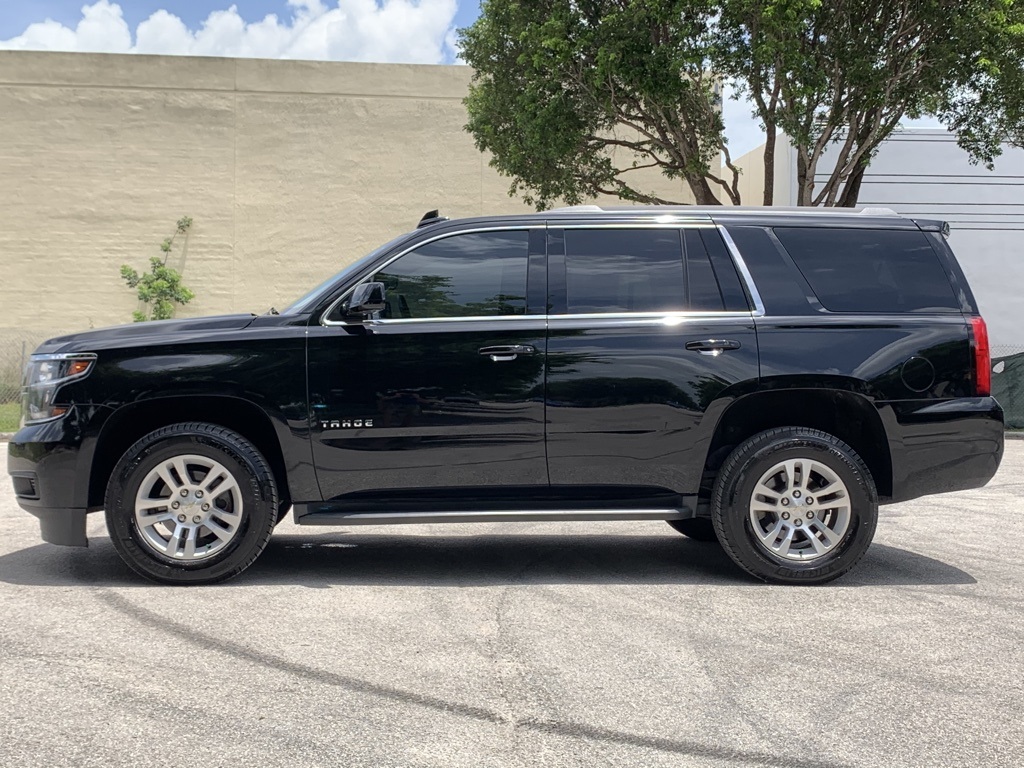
{"x": 774, "y": 209}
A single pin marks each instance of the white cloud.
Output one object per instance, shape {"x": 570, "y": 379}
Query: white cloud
{"x": 414, "y": 31}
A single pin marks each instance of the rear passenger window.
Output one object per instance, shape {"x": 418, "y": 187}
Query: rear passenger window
{"x": 702, "y": 285}
{"x": 870, "y": 270}
{"x": 623, "y": 270}
{"x": 725, "y": 271}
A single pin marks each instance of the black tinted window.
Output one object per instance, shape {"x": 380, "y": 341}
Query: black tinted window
{"x": 725, "y": 271}
{"x": 780, "y": 289}
{"x": 703, "y": 291}
{"x": 870, "y": 270}
{"x": 482, "y": 273}
{"x": 623, "y": 270}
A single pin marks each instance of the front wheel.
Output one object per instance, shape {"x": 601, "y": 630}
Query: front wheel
{"x": 795, "y": 506}
{"x": 191, "y": 504}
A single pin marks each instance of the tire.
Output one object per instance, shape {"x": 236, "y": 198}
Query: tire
{"x": 696, "y": 528}
{"x": 795, "y": 506}
{"x": 224, "y": 509}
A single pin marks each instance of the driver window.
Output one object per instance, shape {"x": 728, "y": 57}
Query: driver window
{"x": 469, "y": 275}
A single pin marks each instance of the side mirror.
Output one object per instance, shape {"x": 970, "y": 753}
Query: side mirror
{"x": 366, "y": 299}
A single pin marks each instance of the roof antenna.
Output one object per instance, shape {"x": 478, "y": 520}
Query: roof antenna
{"x": 431, "y": 217}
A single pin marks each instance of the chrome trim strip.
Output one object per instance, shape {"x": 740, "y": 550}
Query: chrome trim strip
{"x": 308, "y": 517}
{"x": 672, "y": 222}
{"x": 722, "y": 210}
{"x": 327, "y": 313}
{"x": 468, "y": 319}
{"x": 44, "y": 357}
{"x": 665, "y": 318}
{"x": 741, "y": 265}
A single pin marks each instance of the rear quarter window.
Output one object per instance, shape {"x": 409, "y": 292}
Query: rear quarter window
{"x": 870, "y": 270}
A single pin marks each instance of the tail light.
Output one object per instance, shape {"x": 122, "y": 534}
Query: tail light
{"x": 982, "y": 358}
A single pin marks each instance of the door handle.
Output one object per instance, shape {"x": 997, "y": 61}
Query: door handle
{"x": 712, "y": 347}
{"x": 507, "y": 353}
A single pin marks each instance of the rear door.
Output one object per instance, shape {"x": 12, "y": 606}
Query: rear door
{"x": 444, "y": 389}
{"x": 649, "y": 326}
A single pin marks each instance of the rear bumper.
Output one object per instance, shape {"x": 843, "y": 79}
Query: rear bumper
{"x": 954, "y": 445}
{"x": 50, "y": 466}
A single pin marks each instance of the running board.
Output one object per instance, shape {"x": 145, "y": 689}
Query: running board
{"x": 304, "y": 517}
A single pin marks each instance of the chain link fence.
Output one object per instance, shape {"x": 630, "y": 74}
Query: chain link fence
{"x": 17, "y": 344}
{"x": 15, "y": 347}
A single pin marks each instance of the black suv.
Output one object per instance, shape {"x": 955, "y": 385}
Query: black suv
{"x": 766, "y": 377}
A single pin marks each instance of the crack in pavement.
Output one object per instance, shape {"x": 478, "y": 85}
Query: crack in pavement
{"x": 568, "y": 729}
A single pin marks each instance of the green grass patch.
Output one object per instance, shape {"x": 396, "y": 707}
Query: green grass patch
{"x": 10, "y": 417}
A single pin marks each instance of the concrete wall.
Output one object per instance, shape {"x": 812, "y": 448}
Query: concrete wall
{"x": 751, "y": 184}
{"x": 290, "y": 170}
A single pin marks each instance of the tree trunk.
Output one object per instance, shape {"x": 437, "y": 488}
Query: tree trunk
{"x": 804, "y": 185}
{"x": 769, "y": 165}
{"x": 851, "y": 190}
{"x": 702, "y": 192}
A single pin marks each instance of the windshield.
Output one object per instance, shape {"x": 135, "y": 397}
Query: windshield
{"x": 306, "y": 303}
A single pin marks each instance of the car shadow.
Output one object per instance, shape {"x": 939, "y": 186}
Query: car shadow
{"x": 342, "y": 558}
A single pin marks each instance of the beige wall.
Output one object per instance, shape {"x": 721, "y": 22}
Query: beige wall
{"x": 751, "y": 184}
{"x": 290, "y": 170}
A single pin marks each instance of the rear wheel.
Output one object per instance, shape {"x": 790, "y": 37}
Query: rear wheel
{"x": 696, "y": 528}
{"x": 795, "y": 506}
{"x": 191, "y": 504}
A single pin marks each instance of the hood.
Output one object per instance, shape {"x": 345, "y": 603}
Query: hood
{"x": 152, "y": 332}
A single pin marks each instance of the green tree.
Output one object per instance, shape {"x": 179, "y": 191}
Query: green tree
{"x": 838, "y": 77}
{"x": 571, "y": 98}
{"x": 160, "y": 288}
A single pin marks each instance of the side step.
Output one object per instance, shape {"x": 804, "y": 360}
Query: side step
{"x": 303, "y": 516}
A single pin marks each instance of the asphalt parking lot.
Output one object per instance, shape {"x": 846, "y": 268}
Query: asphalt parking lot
{"x": 573, "y": 644}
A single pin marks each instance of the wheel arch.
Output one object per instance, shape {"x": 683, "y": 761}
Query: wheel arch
{"x": 849, "y": 416}
{"x": 132, "y": 422}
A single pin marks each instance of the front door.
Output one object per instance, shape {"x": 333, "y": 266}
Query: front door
{"x": 649, "y": 327}
{"x": 444, "y": 388}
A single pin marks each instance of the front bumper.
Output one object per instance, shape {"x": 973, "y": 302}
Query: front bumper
{"x": 50, "y": 465}
{"x": 953, "y": 445}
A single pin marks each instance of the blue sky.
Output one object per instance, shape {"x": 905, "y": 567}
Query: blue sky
{"x": 16, "y": 15}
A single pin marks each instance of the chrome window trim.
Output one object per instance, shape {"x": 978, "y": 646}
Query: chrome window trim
{"x": 466, "y": 319}
{"x": 334, "y": 304}
{"x": 664, "y": 317}
{"x": 741, "y": 265}
{"x": 734, "y": 252}
{"x": 680, "y": 224}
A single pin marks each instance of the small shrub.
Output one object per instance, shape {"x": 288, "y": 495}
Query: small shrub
{"x": 160, "y": 288}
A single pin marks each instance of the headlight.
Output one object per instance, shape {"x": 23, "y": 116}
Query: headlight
{"x": 44, "y": 375}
